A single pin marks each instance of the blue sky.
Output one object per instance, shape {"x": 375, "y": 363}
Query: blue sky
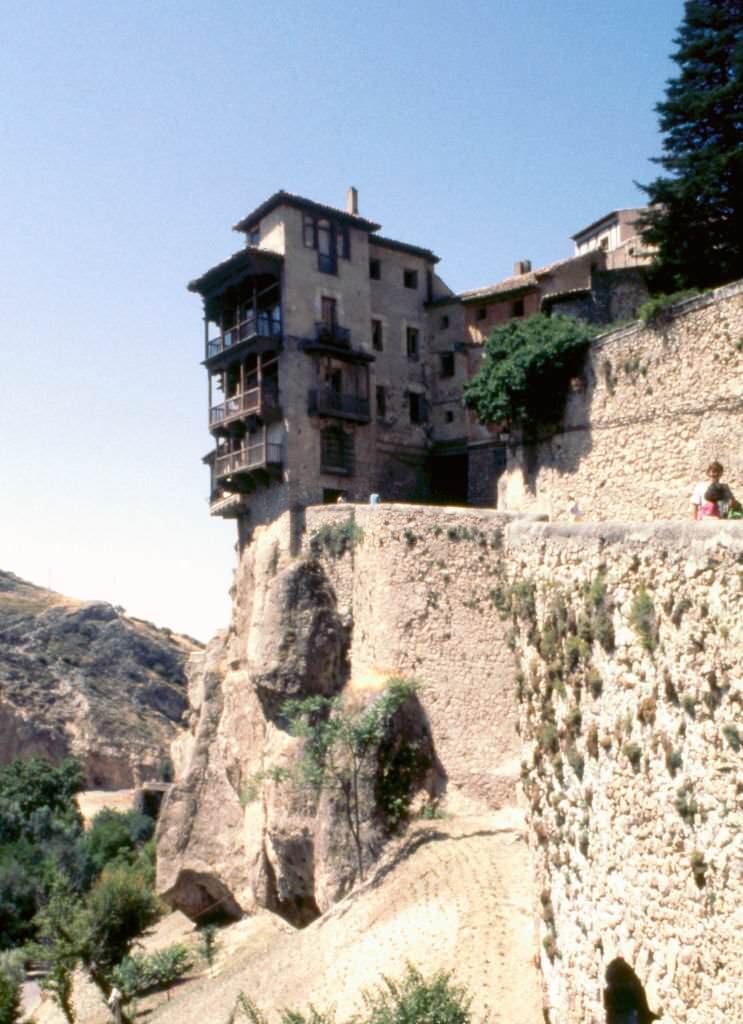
{"x": 134, "y": 134}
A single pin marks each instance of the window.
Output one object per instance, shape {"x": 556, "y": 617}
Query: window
{"x": 254, "y": 236}
{"x": 417, "y": 407}
{"x": 449, "y": 416}
{"x": 329, "y": 311}
{"x": 329, "y": 238}
{"x": 410, "y": 278}
{"x": 443, "y": 323}
{"x": 446, "y": 364}
{"x": 482, "y": 313}
{"x": 411, "y": 342}
{"x": 375, "y": 269}
{"x": 377, "y": 335}
{"x": 326, "y": 252}
{"x": 336, "y": 451}
{"x": 381, "y": 402}
{"x": 517, "y": 307}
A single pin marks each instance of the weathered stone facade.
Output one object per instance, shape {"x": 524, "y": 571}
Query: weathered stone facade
{"x": 655, "y": 404}
{"x": 629, "y": 641}
{"x": 612, "y": 649}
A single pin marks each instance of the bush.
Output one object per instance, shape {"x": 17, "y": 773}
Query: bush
{"x": 335, "y": 539}
{"x": 116, "y": 834}
{"x": 643, "y": 621}
{"x": 411, "y": 1000}
{"x": 10, "y": 1000}
{"x": 526, "y": 370}
{"x": 121, "y": 905}
{"x": 656, "y": 308}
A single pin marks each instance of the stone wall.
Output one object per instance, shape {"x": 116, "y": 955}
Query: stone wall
{"x": 655, "y": 405}
{"x": 416, "y": 587}
{"x": 597, "y": 663}
{"x": 629, "y": 643}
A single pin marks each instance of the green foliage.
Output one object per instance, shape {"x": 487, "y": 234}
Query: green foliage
{"x": 335, "y": 539}
{"x": 526, "y": 370}
{"x": 633, "y": 753}
{"x": 120, "y": 905}
{"x": 10, "y": 1000}
{"x": 136, "y": 974}
{"x": 416, "y": 1000}
{"x": 643, "y": 621}
{"x": 33, "y": 794}
{"x": 208, "y": 943}
{"x": 116, "y": 834}
{"x": 685, "y": 803}
{"x": 413, "y": 999}
{"x": 696, "y": 217}
{"x": 655, "y": 309}
{"x": 732, "y": 735}
{"x": 339, "y": 738}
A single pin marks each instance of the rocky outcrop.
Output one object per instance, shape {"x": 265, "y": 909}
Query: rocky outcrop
{"x": 224, "y": 845}
{"x": 85, "y": 679}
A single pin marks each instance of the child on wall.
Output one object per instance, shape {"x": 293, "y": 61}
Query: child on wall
{"x": 721, "y": 495}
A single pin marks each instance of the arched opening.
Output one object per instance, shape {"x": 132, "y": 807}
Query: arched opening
{"x": 625, "y": 1001}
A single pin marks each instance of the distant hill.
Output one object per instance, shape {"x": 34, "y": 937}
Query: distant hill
{"x": 83, "y": 678}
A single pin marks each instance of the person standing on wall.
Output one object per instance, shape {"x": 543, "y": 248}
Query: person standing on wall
{"x": 698, "y": 499}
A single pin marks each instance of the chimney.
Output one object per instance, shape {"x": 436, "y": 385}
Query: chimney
{"x": 521, "y": 267}
{"x": 352, "y": 201}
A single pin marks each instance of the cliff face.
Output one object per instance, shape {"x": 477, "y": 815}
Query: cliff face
{"x": 81, "y": 678}
{"x": 598, "y": 663}
{"x": 327, "y": 623}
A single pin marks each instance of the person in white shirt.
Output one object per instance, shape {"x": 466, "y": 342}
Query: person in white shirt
{"x": 714, "y": 473}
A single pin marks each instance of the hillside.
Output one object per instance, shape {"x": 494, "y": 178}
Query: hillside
{"x": 82, "y": 678}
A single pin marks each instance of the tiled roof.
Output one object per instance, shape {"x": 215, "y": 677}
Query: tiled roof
{"x": 518, "y": 282}
{"x": 290, "y": 199}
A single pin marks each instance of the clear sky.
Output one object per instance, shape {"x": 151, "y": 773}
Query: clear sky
{"x": 134, "y": 133}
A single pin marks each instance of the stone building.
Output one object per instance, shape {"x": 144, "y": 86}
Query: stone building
{"x": 328, "y": 379}
{"x": 336, "y": 357}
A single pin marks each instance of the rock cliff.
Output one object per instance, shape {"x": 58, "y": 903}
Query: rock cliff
{"x": 81, "y": 678}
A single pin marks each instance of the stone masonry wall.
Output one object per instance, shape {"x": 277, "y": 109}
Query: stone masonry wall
{"x": 629, "y": 641}
{"x": 416, "y": 587}
{"x": 598, "y": 664}
{"x": 658, "y": 403}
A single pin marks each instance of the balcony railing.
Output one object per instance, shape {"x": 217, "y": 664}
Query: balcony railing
{"x": 261, "y": 326}
{"x": 253, "y": 456}
{"x": 326, "y": 402}
{"x": 254, "y": 401}
{"x": 332, "y": 334}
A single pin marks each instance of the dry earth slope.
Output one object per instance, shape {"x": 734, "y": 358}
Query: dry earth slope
{"x": 452, "y": 894}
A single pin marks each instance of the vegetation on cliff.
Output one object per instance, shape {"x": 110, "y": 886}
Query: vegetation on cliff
{"x": 696, "y": 215}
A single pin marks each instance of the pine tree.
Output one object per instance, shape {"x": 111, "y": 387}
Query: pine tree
{"x": 696, "y": 219}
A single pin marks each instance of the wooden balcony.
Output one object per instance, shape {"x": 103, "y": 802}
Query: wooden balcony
{"x": 327, "y": 402}
{"x": 260, "y": 455}
{"x": 255, "y": 328}
{"x": 259, "y": 401}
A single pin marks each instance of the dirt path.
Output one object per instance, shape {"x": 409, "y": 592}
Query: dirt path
{"x": 453, "y": 895}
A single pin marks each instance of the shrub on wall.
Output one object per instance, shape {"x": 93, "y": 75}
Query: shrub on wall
{"x": 526, "y": 371}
